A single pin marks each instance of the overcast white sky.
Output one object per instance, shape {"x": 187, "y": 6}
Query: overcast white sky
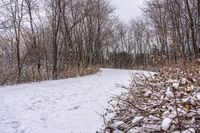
{"x": 127, "y": 9}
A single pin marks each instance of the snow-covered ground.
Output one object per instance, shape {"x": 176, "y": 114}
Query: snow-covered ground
{"x": 62, "y": 106}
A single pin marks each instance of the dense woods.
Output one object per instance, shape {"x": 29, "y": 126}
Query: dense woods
{"x": 55, "y": 39}
{"x": 52, "y": 39}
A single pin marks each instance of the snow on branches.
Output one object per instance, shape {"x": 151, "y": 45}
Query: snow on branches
{"x": 168, "y": 101}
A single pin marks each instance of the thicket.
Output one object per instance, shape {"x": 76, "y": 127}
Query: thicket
{"x": 167, "y": 101}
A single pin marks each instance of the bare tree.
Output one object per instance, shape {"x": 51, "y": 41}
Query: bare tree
{"x": 30, "y": 5}
{"x": 198, "y": 3}
{"x": 14, "y": 8}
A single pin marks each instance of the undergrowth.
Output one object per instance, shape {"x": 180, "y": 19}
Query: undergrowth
{"x": 168, "y": 101}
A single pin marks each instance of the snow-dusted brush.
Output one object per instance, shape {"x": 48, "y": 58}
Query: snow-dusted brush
{"x": 168, "y": 101}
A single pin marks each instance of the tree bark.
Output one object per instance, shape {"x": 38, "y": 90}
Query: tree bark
{"x": 192, "y": 28}
{"x": 198, "y": 26}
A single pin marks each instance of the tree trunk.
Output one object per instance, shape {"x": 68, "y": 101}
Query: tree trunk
{"x": 198, "y": 26}
{"x": 192, "y": 28}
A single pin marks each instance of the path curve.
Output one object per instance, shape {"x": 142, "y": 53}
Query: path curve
{"x": 62, "y": 106}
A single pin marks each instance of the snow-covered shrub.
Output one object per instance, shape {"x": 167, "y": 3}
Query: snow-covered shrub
{"x": 169, "y": 101}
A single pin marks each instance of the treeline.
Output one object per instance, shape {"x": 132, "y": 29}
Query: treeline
{"x": 52, "y": 39}
{"x": 55, "y": 39}
{"x": 168, "y": 33}
{"x": 176, "y": 27}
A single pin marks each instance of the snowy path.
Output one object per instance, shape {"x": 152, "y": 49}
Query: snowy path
{"x": 63, "y": 106}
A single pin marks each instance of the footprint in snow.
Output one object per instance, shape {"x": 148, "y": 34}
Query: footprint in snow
{"x": 22, "y": 129}
{"x": 74, "y": 108}
{"x": 43, "y": 119}
{"x": 14, "y": 124}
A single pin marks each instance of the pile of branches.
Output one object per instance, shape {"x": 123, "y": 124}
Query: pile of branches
{"x": 168, "y": 101}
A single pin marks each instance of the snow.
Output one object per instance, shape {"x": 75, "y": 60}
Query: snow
{"x": 183, "y": 81}
{"x": 175, "y": 85}
{"x": 166, "y": 123}
{"x": 173, "y": 114}
{"x": 169, "y": 93}
{"x": 198, "y": 96}
{"x": 63, "y": 106}
{"x": 191, "y": 130}
{"x": 137, "y": 119}
{"x": 148, "y": 93}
